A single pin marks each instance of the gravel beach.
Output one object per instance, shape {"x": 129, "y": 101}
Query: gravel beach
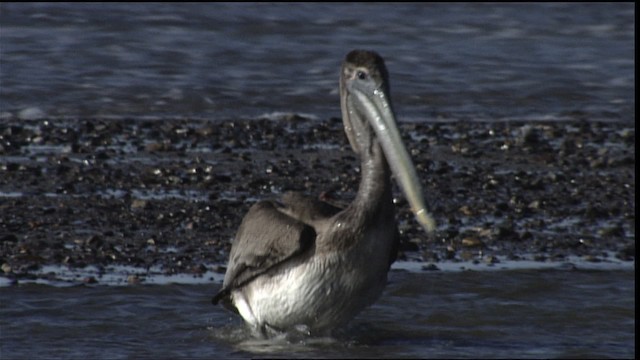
{"x": 172, "y": 192}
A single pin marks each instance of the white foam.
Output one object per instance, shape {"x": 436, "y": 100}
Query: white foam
{"x": 31, "y": 113}
{"x": 115, "y": 275}
{"x": 122, "y": 275}
{"x": 610, "y": 263}
{"x": 280, "y": 115}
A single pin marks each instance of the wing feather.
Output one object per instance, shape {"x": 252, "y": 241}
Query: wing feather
{"x": 266, "y": 238}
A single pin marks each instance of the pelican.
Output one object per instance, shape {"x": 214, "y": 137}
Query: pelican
{"x": 305, "y": 263}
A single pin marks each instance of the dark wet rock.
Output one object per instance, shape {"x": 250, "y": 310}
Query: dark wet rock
{"x": 409, "y": 246}
{"x": 6, "y": 268}
{"x": 94, "y": 242}
{"x": 139, "y": 204}
{"x": 491, "y": 259}
{"x": 505, "y": 232}
{"x": 591, "y": 258}
{"x": 9, "y": 238}
{"x": 199, "y": 269}
{"x": 90, "y": 280}
{"x": 471, "y": 242}
{"x": 430, "y": 267}
{"x": 615, "y": 231}
{"x": 450, "y": 253}
{"x": 628, "y": 253}
{"x": 220, "y": 269}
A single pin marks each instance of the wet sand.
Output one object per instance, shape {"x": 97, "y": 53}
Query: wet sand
{"x": 171, "y": 193}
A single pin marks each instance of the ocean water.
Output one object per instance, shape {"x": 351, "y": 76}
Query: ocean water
{"x": 446, "y": 61}
{"x": 518, "y": 313}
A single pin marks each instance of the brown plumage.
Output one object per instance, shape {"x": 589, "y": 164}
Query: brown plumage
{"x": 305, "y": 262}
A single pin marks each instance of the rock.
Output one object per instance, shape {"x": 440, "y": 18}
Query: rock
{"x": 133, "y": 279}
{"x": 471, "y": 242}
{"x": 430, "y": 267}
{"x": 90, "y": 280}
{"x": 6, "y": 268}
{"x": 491, "y": 259}
{"x": 139, "y": 204}
{"x": 591, "y": 258}
{"x": 10, "y": 238}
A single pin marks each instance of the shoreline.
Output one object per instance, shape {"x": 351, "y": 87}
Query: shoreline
{"x": 122, "y": 275}
{"x": 171, "y": 193}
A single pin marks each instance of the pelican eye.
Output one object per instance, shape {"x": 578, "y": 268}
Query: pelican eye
{"x": 361, "y": 75}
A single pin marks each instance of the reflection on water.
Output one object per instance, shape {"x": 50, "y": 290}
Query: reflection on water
{"x": 526, "y": 313}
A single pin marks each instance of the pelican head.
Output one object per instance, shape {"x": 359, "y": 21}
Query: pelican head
{"x": 368, "y": 117}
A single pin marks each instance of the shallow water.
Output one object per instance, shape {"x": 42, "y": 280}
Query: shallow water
{"x": 437, "y": 314}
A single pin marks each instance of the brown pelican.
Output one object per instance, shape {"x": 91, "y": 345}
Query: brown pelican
{"x": 304, "y": 262}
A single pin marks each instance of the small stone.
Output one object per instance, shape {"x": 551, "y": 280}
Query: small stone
{"x": 94, "y": 241}
{"x": 430, "y": 267}
{"x": 491, "y": 260}
{"x": 6, "y": 268}
{"x": 450, "y": 253}
{"x": 138, "y": 204}
{"x": 467, "y": 255}
{"x": 611, "y": 231}
{"x": 90, "y": 280}
{"x": 628, "y": 253}
{"x": 411, "y": 245}
{"x": 199, "y": 269}
{"x": 471, "y": 242}
{"x": 591, "y": 258}
{"x": 534, "y": 205}
{"x": 155, "y": 147}
{"x": 9, "y": 238}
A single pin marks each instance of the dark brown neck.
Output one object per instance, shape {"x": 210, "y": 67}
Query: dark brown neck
{"x": 372, "y": 208}
{"x": 374, "y": 192}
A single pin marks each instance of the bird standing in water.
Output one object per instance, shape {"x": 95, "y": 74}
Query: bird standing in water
{"x": 304, "y": 262}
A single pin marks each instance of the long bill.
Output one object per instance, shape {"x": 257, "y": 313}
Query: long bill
{"x": 383, "y": 121}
